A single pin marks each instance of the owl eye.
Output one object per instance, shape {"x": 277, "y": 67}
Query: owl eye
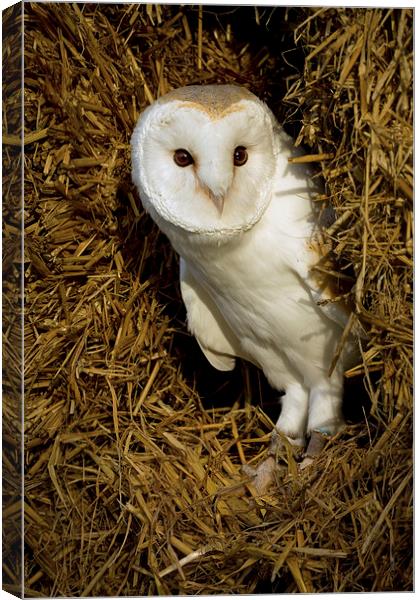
{"x": 183, "y": 158}
{"x": 240, "y": 156}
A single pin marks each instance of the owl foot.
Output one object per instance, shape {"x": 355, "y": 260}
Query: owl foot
{"x": 263, "y": 476}
{"x": 278, "y": 442}
{"x": 316, "y": 444}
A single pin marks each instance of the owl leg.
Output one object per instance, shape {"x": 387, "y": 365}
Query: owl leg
{"x": 291, "y": 425}
{"x": 325, "y": 417}
{"x": 293, "y": 418}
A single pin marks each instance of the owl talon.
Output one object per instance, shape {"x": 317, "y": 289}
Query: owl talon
{"x": 277, "y": 442}
{"x": 248, "y": 470}
{"x": 306, "y": 462}
{"x": 263, "y": 476}
{"x": 316, "y": 445}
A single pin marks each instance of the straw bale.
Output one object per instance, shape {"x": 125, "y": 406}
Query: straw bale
{"x": 364, "y": 70}
{"x": 11, "y": 302}
{"x": 133, "y": 447}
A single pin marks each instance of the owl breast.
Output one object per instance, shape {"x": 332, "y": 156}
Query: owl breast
{"x": 265, "y": 302}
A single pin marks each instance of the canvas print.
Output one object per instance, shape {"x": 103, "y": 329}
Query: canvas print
{"x": 207, "y": 299}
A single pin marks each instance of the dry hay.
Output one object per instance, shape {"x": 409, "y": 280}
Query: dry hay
{"x": 132, "y": 485}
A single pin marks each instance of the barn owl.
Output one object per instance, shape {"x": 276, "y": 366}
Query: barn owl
{"x": 211, "y": 167}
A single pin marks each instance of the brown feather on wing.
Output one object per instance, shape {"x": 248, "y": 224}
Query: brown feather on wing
{"x": 331, "y": 283}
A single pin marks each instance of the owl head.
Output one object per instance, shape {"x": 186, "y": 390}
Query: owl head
{"x": 203, "y": 159}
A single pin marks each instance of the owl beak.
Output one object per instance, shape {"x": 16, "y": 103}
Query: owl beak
{"x": 218, "y": 201}
{"x": 214, "y": 185}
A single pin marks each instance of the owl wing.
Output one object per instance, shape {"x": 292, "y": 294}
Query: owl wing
{"x": 325, "y": 293}
{"x": 206, "y": 323}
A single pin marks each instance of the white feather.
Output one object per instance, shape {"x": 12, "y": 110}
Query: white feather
{"x": 205, "y": 322}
